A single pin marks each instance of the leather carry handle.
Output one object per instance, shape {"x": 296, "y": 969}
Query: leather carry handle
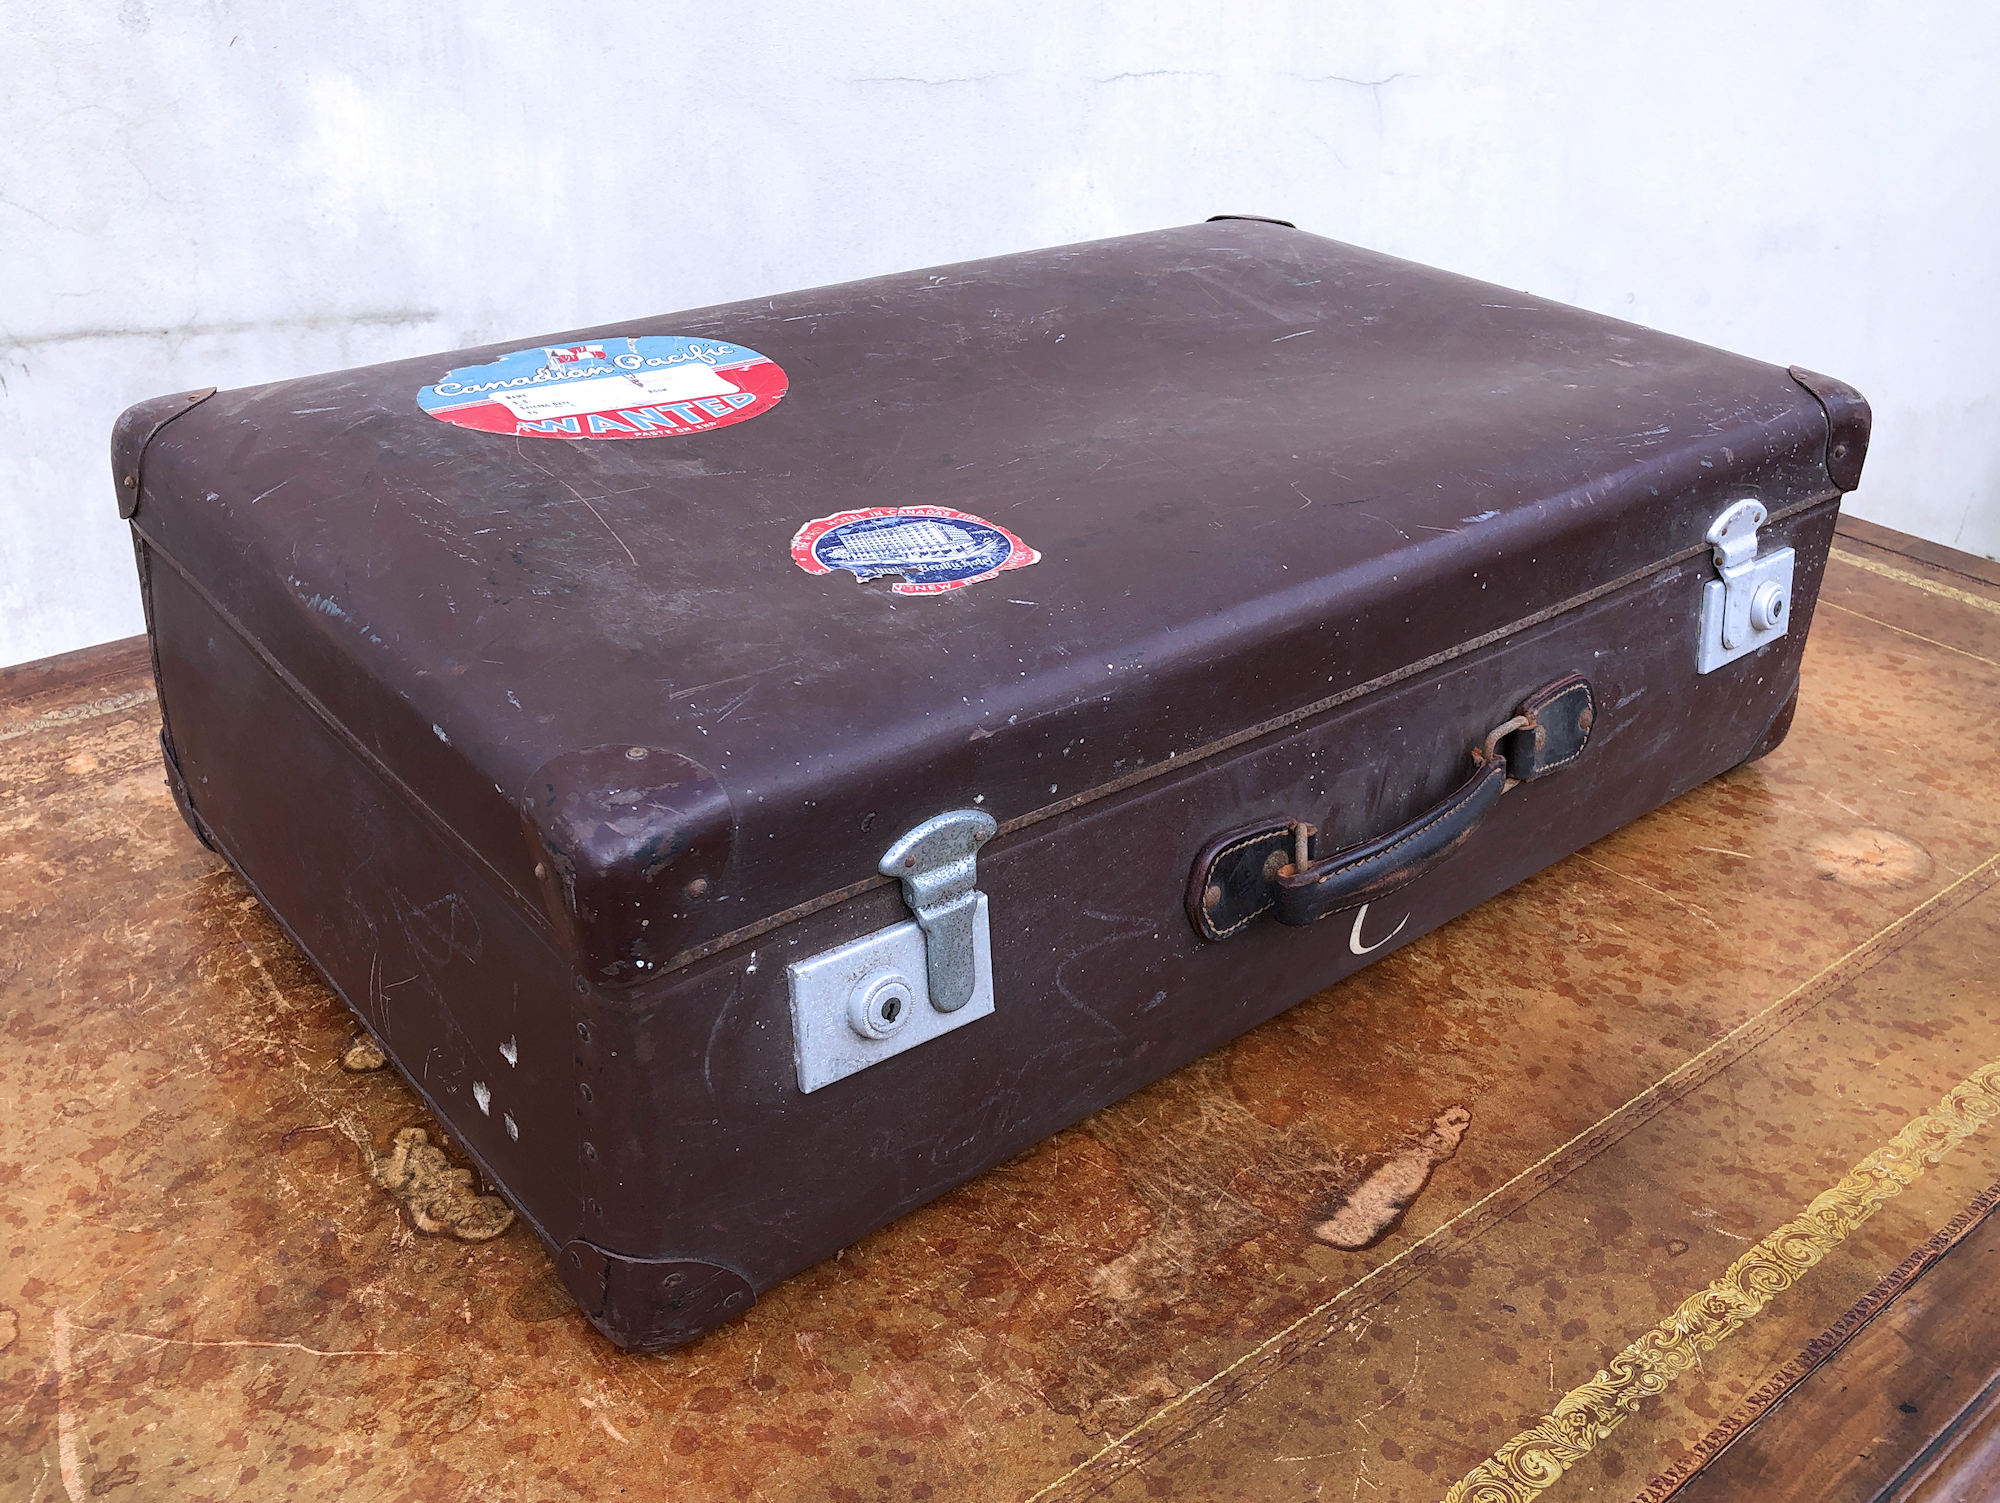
{"x": 1269, "y": 868}
{"x": 1364, "y": 873}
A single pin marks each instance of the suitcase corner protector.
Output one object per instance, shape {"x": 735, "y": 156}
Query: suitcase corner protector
{"x": 651, "y": 1304}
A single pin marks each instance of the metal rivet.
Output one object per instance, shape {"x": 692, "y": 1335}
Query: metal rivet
{"x": 593, "y": 1207}
{"x": 590, "y": 1152}
{"x": 130, "y": 481}
{"x": 636, "y": 753}
{"x": 583, "y": 1032}
{"x": 1583, "y": 720}
{"x": 1211, "y": 896}
{"x": 734, "y": 1299}
{"x": 541, "y": 871}
{"x": 697, "y": 887}
{"x": 1840, "y": 451}
{"x": 909, "y": 861}
{"x": 583, "y": 1089}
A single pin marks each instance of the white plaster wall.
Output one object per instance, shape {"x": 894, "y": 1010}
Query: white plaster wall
{"x": 224, "y": 193}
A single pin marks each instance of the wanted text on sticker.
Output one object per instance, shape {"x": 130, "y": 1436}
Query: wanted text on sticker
{"x": 628, "y": 386}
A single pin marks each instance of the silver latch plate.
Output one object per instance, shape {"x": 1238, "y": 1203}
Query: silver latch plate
{"x": 1750, "y": 606}
{"x": 838, "y": 998}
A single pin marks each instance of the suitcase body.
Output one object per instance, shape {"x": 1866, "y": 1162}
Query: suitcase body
{"x": 754, "y": 769}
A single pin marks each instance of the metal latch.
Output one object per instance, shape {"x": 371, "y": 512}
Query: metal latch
{"x": 1751, "y": 604}
{"x": 937, "y": 863}
{"x": 874, "y": 997}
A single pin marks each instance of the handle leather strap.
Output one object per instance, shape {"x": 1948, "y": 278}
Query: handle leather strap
{"x": 1364, "y": 873}
{"x": 1264, "y": 868}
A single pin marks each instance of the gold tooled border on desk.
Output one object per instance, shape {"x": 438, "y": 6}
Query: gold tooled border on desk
{"x": 1202, "y": 1403}
{"x": 1904, "y": 631}
{"x": 1917, "y": 581}
{"x": 1819, "y": 1351}
{"x": 1526, "y": 1466}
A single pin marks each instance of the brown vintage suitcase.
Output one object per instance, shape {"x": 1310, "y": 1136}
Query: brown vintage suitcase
{"x": 754, "y": 769}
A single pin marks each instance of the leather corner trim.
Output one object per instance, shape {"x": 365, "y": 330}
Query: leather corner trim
{"x": 1849, "y": 421}
{"x": 652, "y": 1304}
{"x": 183, "y": 799}
{"x": 137, "y": 427}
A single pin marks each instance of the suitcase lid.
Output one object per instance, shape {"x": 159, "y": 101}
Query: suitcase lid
{"x": 1149, "y": 497}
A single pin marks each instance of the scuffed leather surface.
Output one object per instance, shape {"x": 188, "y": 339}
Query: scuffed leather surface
{"x": 630, "y": 849}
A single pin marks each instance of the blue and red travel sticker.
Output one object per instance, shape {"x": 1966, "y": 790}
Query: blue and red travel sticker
{"x": 932, "y": 548}
{"x": 629, "y": 386}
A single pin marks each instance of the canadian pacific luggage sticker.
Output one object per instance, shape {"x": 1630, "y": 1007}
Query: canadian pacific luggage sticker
{"x": 631, "y": 386}
{"x": 933, "y": 548}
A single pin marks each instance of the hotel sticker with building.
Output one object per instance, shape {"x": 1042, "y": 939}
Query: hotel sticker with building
{"x": 927, "y": 549}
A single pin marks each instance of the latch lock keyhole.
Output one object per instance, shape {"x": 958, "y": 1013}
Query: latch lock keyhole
{"x": 880, "y": 1005}
{"x": 1767, "y": 606}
